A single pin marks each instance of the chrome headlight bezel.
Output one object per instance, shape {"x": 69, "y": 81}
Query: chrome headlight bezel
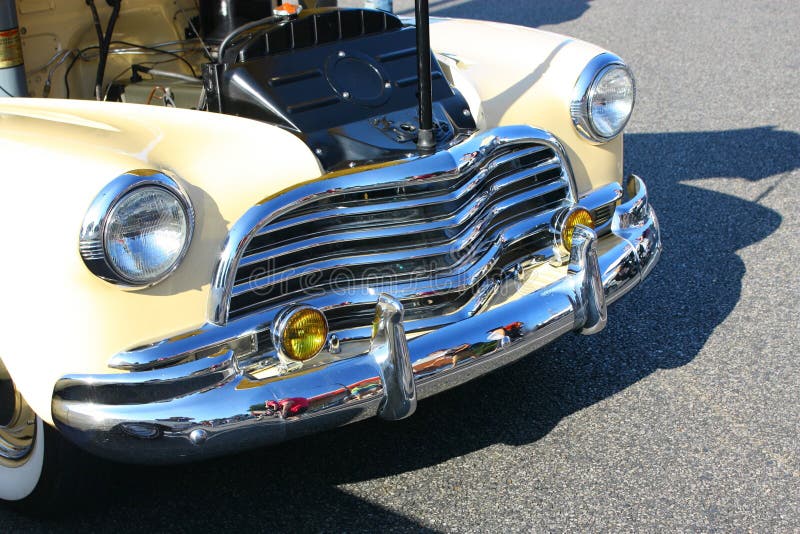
{"x": 92, "y": 242}
{"x": 584, "y": 91}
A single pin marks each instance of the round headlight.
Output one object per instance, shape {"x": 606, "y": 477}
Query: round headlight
{"x": 137, "y": 230}
{"x": 145, "y": 234}
{"x": 604, "y": 97}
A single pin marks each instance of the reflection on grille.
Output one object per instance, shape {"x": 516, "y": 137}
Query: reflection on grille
{"x": 434, "y": 232}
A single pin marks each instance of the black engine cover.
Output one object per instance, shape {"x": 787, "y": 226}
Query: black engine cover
{"x": 343, "y": 80}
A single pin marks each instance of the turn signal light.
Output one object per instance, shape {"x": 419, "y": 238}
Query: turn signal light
{"x": 301, "y": 333}
{"x": 578, "y": 216}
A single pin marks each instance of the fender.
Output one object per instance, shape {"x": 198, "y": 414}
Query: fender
{"x": 521, "y": 75}
{"x": 55, "y": 157}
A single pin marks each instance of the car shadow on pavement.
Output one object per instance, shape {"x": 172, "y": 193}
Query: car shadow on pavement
{"x": 661, "y": 325}
{"x": 542, "y": 13}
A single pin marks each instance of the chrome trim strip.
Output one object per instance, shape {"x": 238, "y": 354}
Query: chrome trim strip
{"x": 231, "y": 411}
{"x": 168, "y": 352}
{"x": 459, "y": 158}
{"x": 607, "y": 194}
{"x": 222, "y": 363}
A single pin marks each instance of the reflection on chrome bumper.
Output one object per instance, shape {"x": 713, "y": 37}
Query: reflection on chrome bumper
{"x": 210, "y": 408}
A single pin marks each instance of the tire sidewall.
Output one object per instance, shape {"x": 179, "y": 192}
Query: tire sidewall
{"x": 17, "y": 483}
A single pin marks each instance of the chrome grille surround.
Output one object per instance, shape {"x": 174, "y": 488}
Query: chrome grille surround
{"x": 467, "y": 205}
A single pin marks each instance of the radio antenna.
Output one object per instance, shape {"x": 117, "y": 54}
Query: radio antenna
{"x": 426, "y": 143}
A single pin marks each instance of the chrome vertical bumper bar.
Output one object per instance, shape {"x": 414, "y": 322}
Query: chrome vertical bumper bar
{"x": 390, "y": 350}
{"x": 157, "y": 416}
{"x": 585, "y": 270}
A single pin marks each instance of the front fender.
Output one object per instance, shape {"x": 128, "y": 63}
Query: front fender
{"x": 55, "y": 156}
{"x": 527, "y": 76}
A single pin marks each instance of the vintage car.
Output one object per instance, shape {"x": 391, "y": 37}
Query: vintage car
{"x": 229, "y": 224}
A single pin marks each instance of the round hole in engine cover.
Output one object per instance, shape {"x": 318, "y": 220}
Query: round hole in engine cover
{"x": 358, "y": 78}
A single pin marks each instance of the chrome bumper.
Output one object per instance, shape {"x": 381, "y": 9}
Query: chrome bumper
{"x": 164, "y": 417}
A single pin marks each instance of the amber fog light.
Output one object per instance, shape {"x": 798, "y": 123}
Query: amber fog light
{"x": 578, "y": 216}
{"x": 300, "y": 333}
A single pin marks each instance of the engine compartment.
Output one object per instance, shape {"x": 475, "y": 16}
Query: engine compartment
{"x": 344, "y": 80}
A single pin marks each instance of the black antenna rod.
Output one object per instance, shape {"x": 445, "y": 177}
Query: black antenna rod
{"x": 425, "y": 142}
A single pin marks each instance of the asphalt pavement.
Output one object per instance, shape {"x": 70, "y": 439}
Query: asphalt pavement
{"x": 681, "y": 415}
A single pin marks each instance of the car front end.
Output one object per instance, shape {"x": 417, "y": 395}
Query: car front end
{"x": 407, "y": 279}
{"x": 288, "y": 255}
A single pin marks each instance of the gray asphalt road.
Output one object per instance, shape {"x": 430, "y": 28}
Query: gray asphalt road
{"x": 683, "y": 414}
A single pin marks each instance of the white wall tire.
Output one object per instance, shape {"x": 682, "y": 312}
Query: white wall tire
{"x": 19, "y": 482}
{"x": 41, "y": 473}
{"x": 32, "y": 455}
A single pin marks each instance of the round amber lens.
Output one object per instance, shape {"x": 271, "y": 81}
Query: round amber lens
{"x": 578, "y": 217}
{"x": 304, "y": 334}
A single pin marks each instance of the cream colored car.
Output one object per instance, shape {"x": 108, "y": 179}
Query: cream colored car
{"x": 224, "y": 228}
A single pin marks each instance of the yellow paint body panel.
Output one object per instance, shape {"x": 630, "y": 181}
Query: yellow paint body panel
{"x": 56, "y": 318}
{"x": 57, "y": 155}
{"x": 527, "y": 76}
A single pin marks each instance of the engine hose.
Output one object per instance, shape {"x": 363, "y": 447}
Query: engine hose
{"x": 105, "y": 45}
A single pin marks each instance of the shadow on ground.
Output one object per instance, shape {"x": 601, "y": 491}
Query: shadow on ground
{"x": 540, "y": 13}
{"x": 661, "y": 325}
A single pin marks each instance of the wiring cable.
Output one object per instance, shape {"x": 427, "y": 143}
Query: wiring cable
{"x": 160, "y": 51}
{"x": 48, "y": 83}
{"x": 60, "y": 57}
{"x": 160, "y": 47}
{"x": 72, "y": 63}
{"x": 195, "y": 30}
{"x": 50, "y": 61}
{"x": 238, "y": 32}
{"x": 80, "y": 55}
{"x": 6, "y": 92}
{"x": 130, "y": 68}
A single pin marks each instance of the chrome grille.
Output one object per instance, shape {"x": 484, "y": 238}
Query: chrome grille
{"x": 432, "y": 238}
{"x": 603, "y": 214}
